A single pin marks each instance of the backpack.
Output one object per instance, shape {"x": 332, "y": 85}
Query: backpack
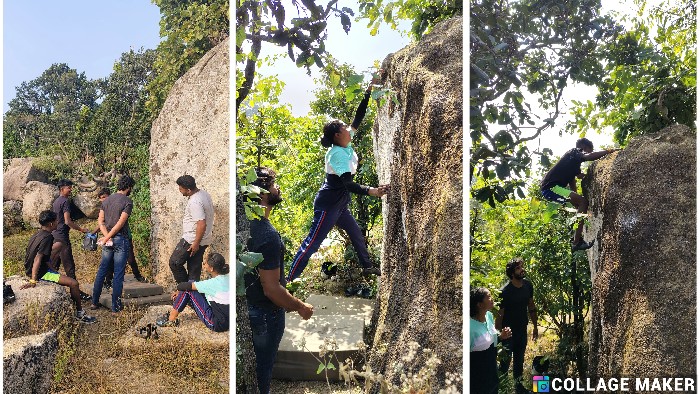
{"x": 90, "y": 242}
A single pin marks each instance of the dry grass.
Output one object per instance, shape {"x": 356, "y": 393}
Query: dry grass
{"x": 89, "y": 359}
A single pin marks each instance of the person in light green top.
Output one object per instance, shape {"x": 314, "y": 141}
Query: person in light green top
{"x": 483, "y": 337}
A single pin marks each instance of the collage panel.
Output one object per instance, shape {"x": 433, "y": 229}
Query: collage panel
{"x": 349, "y": 225}
{"x": 116, "y": 133}
{"x": 582, "y": 211}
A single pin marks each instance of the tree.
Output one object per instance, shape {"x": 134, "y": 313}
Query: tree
{"x": 304, "y": 36}
{"x": 517, "y": 48}
{"x": 121, "y": 121}
{"x": 49, "y": 113}
{"x": 424, "y": 14}
{"x": 190, "y": 28}
{"x": 650, "y": 80}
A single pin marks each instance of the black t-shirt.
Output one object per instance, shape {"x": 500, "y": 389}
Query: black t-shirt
{"x": 60, "y": 206}
{"x": 40, "y": 242}
{"x": 514, "y": 302}
{"x": 564, "y": 171}
{"x": 264, "y": 239}
{"x": 113, "y": 207}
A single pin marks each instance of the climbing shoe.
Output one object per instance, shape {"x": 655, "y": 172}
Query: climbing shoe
{"x": 164, "y": 321}
{"x": 83, "y": 317}
{"x": 371, "y": 271}
{"x": 582, "y": 245}
{"x": 8, "y": 296}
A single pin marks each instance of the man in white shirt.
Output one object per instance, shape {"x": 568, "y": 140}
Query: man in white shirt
{"x": 197, "y": 226}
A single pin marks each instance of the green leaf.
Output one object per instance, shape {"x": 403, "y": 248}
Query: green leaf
{"x": 355, "y": 79}
{"x": 321, "y": 367}
{"x": 334, "y": 78}
{"x": 330, "y": 366}
{"x": 251, "y": 176}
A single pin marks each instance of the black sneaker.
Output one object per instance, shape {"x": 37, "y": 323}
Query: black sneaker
{"x": 8, "y": 295}
{"x": 582, "y": 245}
{"x": 371, "y": 271}
{"x": 164, "y": 321}
{"x": 140, "y": 279}
{"x": 83, "y": 317}
{"x": 85, "y": 296}
{"x": 107, "y": 285}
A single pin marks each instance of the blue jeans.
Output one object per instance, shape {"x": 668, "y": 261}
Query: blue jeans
{"x": 267, "y": 327}
{"x": 112, "y": 256}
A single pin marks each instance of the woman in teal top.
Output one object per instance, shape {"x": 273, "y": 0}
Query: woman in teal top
{"x": 483, "y": 370}
{"x": 332, "y": 200}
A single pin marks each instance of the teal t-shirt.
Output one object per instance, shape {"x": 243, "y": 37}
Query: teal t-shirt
{"x": 340, "y": 160}
{"x": 215, "y": 289}
{"x": 482, "y": 335}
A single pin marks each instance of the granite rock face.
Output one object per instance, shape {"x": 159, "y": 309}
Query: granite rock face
{"x": 18, "y": 172}
{"x": 28, "y": 363}
{"x": 642, "y": 215}
{"x": 191, "y": 137}
{"x": 418, "y": 150}
{"x": 38, "y": 196}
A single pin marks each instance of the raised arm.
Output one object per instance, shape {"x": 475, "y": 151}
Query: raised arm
{"x": 597, "y": 155}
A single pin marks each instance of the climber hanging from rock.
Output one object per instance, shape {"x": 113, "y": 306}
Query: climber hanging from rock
{"x": 563, "y": 174}
{"x": 332, "y": 200}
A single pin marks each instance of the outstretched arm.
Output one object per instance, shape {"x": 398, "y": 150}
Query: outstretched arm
{"x": 362, "y": 108}
{"x": 597, "y": 155}
{"x": 356, "y": 188}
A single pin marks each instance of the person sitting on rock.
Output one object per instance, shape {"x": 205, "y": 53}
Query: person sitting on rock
{"x": 563, "y": 174}
{"x": 37, "y": 267}
{"x": 332, "y": 200}
{"x": 209, "y": 298}
{"x": 131, "y": 258}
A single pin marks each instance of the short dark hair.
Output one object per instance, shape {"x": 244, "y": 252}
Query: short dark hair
{"x": 476, "y": 295}
{"x": 581, "y": 142}
{"x": 329, "y": 132}
{"x": 46, "y": 217}
{"x": 64, "y": 182}
{"x": 104, "y": 192}
{"x": 186, "y": 181}
{"x": 266, "y": 177}
{"x": 125, "y": 182}
{"x": 218, "y": 262}
{"x": 510, "y": 266}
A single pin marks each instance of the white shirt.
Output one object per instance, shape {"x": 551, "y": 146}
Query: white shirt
{"x": 199, "y": 207}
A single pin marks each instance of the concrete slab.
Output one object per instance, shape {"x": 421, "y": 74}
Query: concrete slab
{"x": 298, "y": 364}
{"x": 334, "y": 306}
{"x": 191, "y": 330}
{"x": 134, "y": 293}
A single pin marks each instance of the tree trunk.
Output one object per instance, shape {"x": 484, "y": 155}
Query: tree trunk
{"x": 245, "y": 357}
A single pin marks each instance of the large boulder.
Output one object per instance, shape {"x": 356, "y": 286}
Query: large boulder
{"x": 17, "y": 174}
{"x": 28, "y": 363}
{"x": 34, "y": 308}
{"x": 418, "y": 150}
{"x": 642, "y": 217}
{"x": 88, "y": 203}
{"x": 11, "y": 216}
{"x": 38, "y": 196}
{"x": 191, "y": 136}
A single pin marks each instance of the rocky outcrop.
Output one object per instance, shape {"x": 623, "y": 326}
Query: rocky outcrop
{"x": 191, "y": 136}
{"x": 418, "y": 150}
{"x": 33, "y": 305}
{"x": 38, "y": 196}
{"x": 643, "y": 264}
{"x": 28, "y": 363}
{"x": 17, "y": 174}
{"x": 88, "y": 203}
{"x": 11, "y": 216}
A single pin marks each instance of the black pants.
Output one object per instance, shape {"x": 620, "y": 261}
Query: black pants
{"x": 515, "y": 348}
{"x": 181, "y": 256}
{"x": 65, "y": 257}
{"x": 482, "y": 372}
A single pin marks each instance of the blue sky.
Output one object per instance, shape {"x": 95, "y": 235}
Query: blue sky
{"x": 87, "y": 35}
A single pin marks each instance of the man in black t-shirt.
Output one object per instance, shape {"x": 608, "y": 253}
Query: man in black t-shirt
{"x": 554, "y": 184}
{"x": 267, "y": 297}
{"x": 37, "y": 264}
{"x": 516, "y": 302}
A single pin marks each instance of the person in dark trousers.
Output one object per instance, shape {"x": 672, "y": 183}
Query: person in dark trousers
{"x": 564, "y": 173}
{"x": 331, "y": 202}
{"x": 131, "y": 259}
{"x": 61, "y": 250}
{"x": 483, "y": 336}
{"x": 114, "y": 226}
{"x": 516, "y": 303}
{"x": 267, "y": 297}
{"x": 37, "y": 267}
{"x": 197, "y": 224}
{"x": 210, "y": 299}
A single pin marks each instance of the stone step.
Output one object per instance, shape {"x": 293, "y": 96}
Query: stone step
{"x": 340, "y": 318}
{"x": 134, "y": 293}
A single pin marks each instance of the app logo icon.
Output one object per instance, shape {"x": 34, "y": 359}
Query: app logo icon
{"x": 540, "y": 384}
